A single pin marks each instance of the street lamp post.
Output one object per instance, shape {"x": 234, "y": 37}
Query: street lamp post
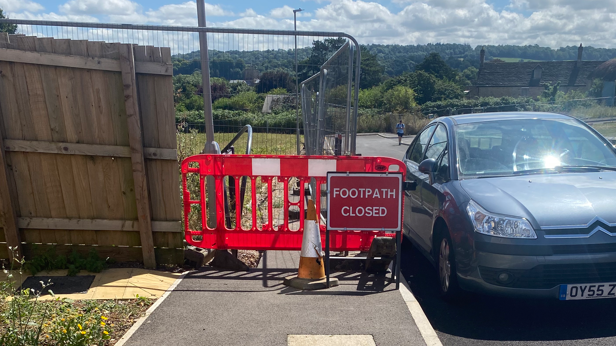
{"x": 296, "y": 82}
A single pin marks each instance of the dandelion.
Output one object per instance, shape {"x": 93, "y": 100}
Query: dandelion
{"x": 47, "y": 336}
{"x": 62, "y": 320}
{"x": 106, "y": 332}
{"x": 104, "y": 318}
{"x": 103, "y": 324}
{"x": 83, "y": 332}
{"x": 64, "y": 331}
{"x": 79, "y": 326}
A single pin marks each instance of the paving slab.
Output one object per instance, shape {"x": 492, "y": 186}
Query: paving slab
{"x": 253, "y": 308}
{"x": 115, "y": 283}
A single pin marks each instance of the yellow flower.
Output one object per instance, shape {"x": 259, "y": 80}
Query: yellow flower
{"x": 64, "y": 331}
{"x": 103, "y": 323}
{"x": 79, "y": 326}
{"x": 105, "y": 332}
{"x": 47, "y": 336}
{"x": 83, "y": 333}
{"x": 104, "y": 318}
{"x": 62, "y": 320}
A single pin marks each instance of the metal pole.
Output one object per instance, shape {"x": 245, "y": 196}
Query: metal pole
{"x": 355, "y": 109}
{"x": 205, "y": 76}
{"x": 296, "y": 83}
{"x": 347, "y": 144}
{"x": 211, "y": 147}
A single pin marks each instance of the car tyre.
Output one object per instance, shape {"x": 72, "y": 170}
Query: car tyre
{"x": 446, "y": 269}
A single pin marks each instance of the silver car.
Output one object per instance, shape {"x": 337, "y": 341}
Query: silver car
{"x": 517, "y": 204}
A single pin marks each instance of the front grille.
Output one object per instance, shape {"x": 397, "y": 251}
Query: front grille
{"x": 579, "y": 231}
{"x": 578, "y": 249}
{"x": 550, "y": 275}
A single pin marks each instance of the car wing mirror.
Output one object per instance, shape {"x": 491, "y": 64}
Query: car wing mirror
{"x": 427, "y": 166}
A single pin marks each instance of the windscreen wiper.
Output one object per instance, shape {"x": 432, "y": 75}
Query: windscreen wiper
{"x": 535, "y": 171}
{"x": 584, "y": 168}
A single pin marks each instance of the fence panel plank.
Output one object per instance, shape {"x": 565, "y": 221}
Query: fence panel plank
{"x": 127, "y": 63}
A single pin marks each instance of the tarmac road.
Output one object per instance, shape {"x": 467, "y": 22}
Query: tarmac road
{"x": 483, "y": 320}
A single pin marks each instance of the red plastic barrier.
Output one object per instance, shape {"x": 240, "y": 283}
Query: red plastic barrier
{"x": 268, "y": 168}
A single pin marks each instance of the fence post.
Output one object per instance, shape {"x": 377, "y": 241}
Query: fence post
{"x": 8, "y": 215}
{"x": 135, "y": 138}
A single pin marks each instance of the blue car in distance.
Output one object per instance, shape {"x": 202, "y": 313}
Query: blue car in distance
{"x": 515, "y": 204}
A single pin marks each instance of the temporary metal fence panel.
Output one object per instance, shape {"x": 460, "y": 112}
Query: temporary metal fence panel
{"x": 253, "y": 71}
{"x": 327, "y": 103}
{"x": 277, "y": 190}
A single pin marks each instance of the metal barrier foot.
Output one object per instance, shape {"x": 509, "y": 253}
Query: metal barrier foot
{"x": 309, "y": 284}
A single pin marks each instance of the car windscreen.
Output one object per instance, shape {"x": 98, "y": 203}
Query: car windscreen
{"x": 510, "y": 147}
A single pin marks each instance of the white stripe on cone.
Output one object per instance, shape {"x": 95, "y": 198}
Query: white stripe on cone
{"x": 311, "y": 240}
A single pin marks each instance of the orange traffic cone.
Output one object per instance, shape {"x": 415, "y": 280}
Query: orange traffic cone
{"x": 311, "y": 274}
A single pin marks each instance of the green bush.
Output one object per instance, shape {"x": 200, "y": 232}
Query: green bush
{"x": 278, "y": 91}
{"x": 371, "y": 98}
{"x": 74, "y": 262}
{"x": 400, "y": 98}
{"x": 246, "y": 101}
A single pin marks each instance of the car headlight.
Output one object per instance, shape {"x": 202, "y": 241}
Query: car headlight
{"x": 498, "y": 225}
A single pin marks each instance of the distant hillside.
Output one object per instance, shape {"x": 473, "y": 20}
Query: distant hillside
{"x": 396, "y": 59}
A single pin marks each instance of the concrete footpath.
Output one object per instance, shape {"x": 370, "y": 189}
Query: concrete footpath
{"x": 212, "y": 307}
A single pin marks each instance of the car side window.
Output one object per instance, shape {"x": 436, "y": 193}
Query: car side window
{"x": 416, "y": 154}
{"x": 442, "y": 170}
{"x": 437, "y": 143}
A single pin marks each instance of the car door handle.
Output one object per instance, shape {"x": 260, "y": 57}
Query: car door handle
{"x": 410, "y": 185}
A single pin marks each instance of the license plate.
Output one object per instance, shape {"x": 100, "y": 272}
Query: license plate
{"x": 588, "y": 291}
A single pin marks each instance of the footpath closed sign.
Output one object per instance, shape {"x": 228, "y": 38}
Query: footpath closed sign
{"x": 364, "y": 201}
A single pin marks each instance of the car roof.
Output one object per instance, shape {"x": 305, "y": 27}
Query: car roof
{"x": 482, "y": 117}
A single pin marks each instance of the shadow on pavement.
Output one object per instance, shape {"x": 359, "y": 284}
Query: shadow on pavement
{"x": 501, "y": 319}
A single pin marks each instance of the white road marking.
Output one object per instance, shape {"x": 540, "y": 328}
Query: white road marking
{"x": 424, "y": 326}
{"x": 330, "y": 340}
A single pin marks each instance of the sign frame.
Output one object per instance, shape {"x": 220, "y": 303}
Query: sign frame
{"x": 398, "y": 231}
{"x": 363, "y": 174}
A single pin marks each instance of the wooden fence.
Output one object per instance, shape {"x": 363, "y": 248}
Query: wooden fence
{"x": 88, "y": 150}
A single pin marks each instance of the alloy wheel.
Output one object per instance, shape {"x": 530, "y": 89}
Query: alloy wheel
{"x": 444, "y": 266}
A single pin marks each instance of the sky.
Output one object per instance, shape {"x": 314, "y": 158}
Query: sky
{"x": 553, "y": 23}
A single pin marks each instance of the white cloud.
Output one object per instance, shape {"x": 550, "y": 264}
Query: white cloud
{"x": 552, "y": 23}
{"x": 55, "y": 17}
{"x": 97, "y": 7}
{"x": 286, "y": 12}
{"x": 9, "y": 6}
{"x": 249, "y": 13}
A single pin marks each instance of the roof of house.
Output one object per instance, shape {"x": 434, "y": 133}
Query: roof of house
{"x": 519, "y": 74}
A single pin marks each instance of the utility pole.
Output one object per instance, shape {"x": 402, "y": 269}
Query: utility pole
{"x": 296, "y": 83}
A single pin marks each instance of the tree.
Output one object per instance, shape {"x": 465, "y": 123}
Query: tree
{"x": 470, "y": 75}
{"x": 274, "y": 79}
{"x": 400, "y": 98}
{"x": 321, "y": 51}
{"x": 434, "y": 65}
{"x": 422, "y": 83}
{"x": 447, "y": 90}
{"x": 9, "y": 28}
{"x": 371, "y": 71}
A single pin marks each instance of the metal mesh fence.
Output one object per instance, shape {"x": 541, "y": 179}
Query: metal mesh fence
{"x": 329, "y": 119}
{"x": 252, "y": 72}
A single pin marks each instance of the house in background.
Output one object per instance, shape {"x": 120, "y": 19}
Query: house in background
{"x": 527, "y": 79}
